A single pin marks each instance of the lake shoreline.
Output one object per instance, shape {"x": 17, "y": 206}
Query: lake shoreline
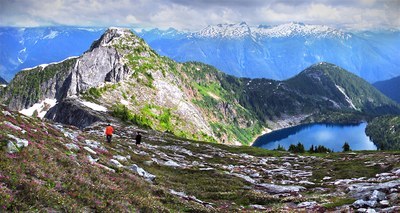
{"x": 330, "y": 135}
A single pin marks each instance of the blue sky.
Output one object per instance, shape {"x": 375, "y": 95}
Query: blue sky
{"x": 197, "y": 14}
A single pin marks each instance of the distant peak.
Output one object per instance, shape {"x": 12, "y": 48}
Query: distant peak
{"x": 300, "y": 29}
{"x": 238, "y": 30}
{"x": 111, "y": 34}
{"x": 322, "y": 67}
{"x": 117, "y": 31}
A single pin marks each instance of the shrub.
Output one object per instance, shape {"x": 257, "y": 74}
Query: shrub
{"x": 346, "y": 147}
{"x": 280, "y": 148}
{"x": 299, "y": 148}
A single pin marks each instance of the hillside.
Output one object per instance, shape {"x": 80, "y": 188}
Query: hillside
{"x": 390, "y": 88}
{"x": 121, "y": 76}
{"x": 385, "y": 132}
{"x": 121, "y": 72}
{"x": 318, "y": 92}
{"x": 52, "y": 167}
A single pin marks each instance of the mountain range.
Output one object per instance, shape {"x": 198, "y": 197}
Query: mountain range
{"x": 275, "y": 52}
{"x": 120, "y": 76}
{"x": 280, "y": 52}
{"x": 28, "y": 47}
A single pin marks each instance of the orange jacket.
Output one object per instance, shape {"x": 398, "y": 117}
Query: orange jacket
{"x": 109, "y": 130}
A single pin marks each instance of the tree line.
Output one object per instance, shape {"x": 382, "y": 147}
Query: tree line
{"x": 299, "y": 148}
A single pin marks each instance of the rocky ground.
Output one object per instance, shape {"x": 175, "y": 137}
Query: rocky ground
{"x": 50, "y": 167}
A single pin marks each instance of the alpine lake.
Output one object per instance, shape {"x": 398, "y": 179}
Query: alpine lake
{"x": 332, "y": 136}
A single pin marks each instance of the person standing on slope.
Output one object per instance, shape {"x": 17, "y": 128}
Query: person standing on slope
{"x": 109, "y": 132}
{"x": 138, "y": 138}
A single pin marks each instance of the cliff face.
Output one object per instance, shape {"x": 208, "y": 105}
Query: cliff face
{"x": 34, "y": 85}
{"x": 102, "y": 63}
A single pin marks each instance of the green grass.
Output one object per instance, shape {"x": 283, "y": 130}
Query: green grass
{"x": 337, "y": 202}
{"x": 346, "y": 169}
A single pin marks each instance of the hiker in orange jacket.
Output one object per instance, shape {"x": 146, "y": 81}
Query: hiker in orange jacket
{"x": 109, "y": 132}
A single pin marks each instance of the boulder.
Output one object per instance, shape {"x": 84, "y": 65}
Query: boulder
{"x": 92, "y": 160}
{"x": 11, "y": 148}
{"x": 141, "y": 172}
{"x": 19, "y": 142}
{"x": 70, "y": 111}
{"x": 15, "y": 145}
{"x": 362, "y": 203}
{"x": 172, "y": 163}
{"x": 278, "y": 189}
{"x": 370, "y": 210}
{"x": 287, "y": 164}
{"x": 116, "y": 163}
{"x": 11, "y": 125}
{"x": 393, "y": 209}
{"x": 90, "y": 150}
{"x": 120, "y": 158}
{"x": 384, "y": 203}
{"x": 307, "y": 204}
{"x": 377, "y": 195}
{"x": 394, "y": 197}
{"x": 364, "y": 190}
{"x": 258, "y": 207}
{"x": 244, "y": 177}
{"x": 72, "y": 146}
{"x": 396, "y": 172}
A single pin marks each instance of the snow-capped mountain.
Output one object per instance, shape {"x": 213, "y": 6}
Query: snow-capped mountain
{"x": 28, "y": 47}
{"x": 277, "y": 52}
{"x": 292, "y": 29}
{"x": 299, "y": 29}
{"x": 282, "y": 51}
{"x": 225, "y": 31}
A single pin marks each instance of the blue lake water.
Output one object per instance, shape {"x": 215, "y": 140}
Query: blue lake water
{"x": 332, "y": 136}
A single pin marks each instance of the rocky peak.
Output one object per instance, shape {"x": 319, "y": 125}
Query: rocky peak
{"x": 110, "y": 37}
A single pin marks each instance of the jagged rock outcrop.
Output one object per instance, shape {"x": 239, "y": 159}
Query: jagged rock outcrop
{"x": 70, "y": 111}
{"x": 103, "y": 63}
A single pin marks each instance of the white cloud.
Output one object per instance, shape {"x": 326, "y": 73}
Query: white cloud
{"x": 197, "y": 14}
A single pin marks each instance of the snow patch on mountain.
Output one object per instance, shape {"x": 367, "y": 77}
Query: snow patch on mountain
{"x": 94, "y": 106}
{"x": 341, "y": 89}
{"x": 41, "y": 108}
{"x": 51, "y": 35}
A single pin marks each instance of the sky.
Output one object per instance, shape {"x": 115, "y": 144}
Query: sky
{"x": 197, "y": 14}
